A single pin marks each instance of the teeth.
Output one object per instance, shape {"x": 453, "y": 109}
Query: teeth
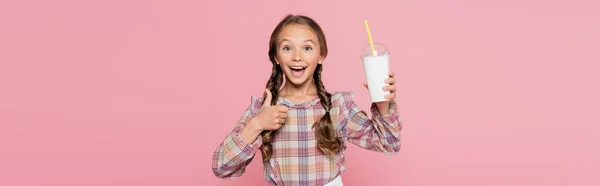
{"x": 297, "y": 68}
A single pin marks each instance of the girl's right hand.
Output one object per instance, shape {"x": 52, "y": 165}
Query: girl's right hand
{"x": 270, "y": 117}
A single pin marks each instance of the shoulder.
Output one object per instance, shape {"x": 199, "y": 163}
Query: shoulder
{"x": 342, "y": 98}
{"x": 256, "y": 102}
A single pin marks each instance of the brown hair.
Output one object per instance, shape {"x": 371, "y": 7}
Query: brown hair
{"x": 325, "y": 133}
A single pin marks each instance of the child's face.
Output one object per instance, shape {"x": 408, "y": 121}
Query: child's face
{"x": 298, "y": 53}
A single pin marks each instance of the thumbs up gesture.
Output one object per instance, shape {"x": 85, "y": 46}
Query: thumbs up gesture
{"x": 270, "y": 117}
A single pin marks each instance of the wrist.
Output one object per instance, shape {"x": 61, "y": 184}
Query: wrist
{"x": 251, "y": 131}
{"x": 255, "y": 126}
{"x": 383, "y": 107}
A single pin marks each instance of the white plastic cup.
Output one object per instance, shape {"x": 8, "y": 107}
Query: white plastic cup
{"x": 377, "y": 68}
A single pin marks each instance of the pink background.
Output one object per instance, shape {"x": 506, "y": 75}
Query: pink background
{"x": 142, "y": 92}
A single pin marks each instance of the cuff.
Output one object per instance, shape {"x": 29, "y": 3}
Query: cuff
{"x": 247, "y": 149}
{"x": 391, "y": 117}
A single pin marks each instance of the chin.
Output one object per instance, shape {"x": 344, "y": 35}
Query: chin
{"x": 297, "y": 80}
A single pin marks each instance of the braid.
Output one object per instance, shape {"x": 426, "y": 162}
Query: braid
{"x": 325, "y": 133}
{"x": 273, "y": 85}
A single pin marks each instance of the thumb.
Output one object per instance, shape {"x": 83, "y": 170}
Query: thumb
{"x": 268, "y": 98}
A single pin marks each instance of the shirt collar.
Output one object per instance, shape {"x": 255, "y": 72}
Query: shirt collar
{"x": 291, "y": 104}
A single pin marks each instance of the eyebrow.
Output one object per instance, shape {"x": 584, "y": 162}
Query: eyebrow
{"x": 308, "y": 40}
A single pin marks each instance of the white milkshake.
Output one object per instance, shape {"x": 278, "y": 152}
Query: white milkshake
{"x": 377, "y": 68}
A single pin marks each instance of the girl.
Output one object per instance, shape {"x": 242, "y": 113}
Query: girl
{"x": 301, "y": 129}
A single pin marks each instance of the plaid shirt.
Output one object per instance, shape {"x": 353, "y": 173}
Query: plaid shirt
{"x": 296, "y": 158}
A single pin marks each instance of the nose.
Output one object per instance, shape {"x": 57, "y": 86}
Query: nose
{"x": 297, "y": 56}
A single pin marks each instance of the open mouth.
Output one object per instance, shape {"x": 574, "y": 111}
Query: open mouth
{"x": 298, "y": 71}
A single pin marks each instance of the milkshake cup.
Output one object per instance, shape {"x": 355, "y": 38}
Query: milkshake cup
{"x": 376, "y": 63}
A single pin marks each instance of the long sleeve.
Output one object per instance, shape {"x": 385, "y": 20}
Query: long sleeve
{"x": 234, "y": 154}
{"x": 381, "y": 134}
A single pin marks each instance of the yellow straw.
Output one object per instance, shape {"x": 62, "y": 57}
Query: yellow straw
{"x": 370, "y": 40}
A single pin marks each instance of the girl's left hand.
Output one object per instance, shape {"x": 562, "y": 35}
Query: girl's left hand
{"x": 384, "y": 106}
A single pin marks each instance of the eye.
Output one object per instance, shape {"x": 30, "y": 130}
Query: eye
{"x": 308, "y": 48}
{"x": 286, "y": 48}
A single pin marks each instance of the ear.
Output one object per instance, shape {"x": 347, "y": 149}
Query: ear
{"x": 321, "y": 59}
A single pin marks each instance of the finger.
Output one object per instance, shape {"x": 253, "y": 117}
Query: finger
{"x": 391, "y": 74}
{"x": 282, "y": 109}
{"x": 390, "y": 81}
{"x": 280, "y": 121}
{"x": 391, "y": 88}
{"x": 267, "y": 98}
{"x": 390, "y": 96}
{"x": 365, "y": 84}
{"x": 282, "y": 115}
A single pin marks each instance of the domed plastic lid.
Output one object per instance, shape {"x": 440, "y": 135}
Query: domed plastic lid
{"x": 380, "y": 50}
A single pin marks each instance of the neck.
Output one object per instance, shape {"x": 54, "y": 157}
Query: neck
{"x": 304, "y": 91}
